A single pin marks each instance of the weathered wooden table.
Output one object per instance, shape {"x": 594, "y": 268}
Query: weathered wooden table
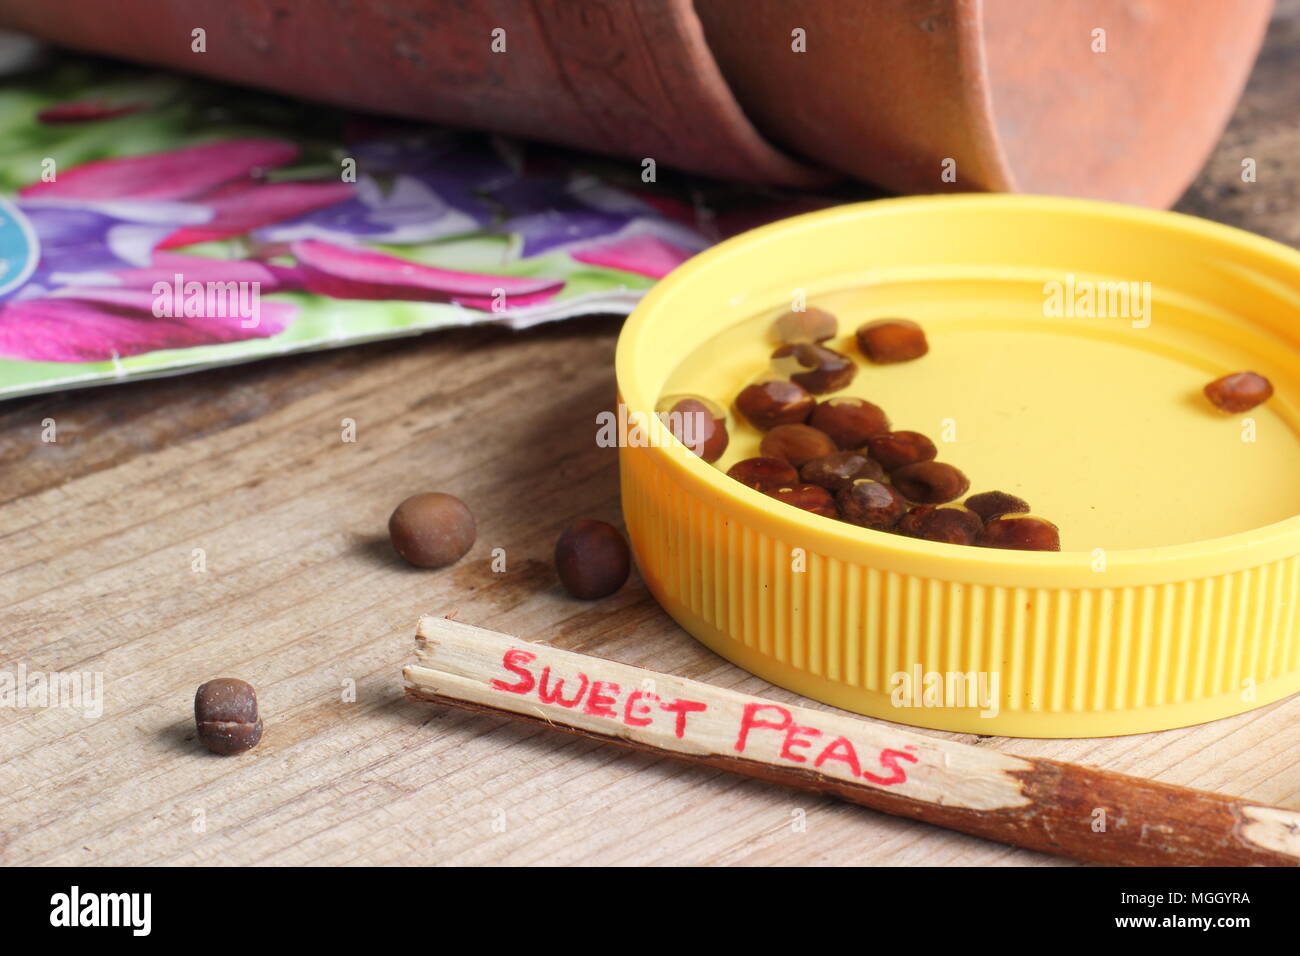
{"x": 100, "y": 537}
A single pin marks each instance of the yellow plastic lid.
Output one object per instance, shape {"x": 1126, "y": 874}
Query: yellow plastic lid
{"x": 1069, "y": 343}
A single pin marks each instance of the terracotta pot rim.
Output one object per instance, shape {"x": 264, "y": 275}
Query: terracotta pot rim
{"x": 1014, "y": 92}
{"x": 1180, "y": 166}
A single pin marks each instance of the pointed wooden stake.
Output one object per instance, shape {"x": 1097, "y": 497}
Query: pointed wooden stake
{"x": 1079, "y": 812}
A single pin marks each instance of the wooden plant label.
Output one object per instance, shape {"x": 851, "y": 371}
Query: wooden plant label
{"x": 1041, "y": 804}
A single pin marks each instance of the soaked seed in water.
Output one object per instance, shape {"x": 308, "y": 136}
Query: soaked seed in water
{"x": 930, "y": 482}
{"x": 871, "y": 504}
{"x": 1239, "y": 392}
{"x": 1021, "y": 533}
{"x": 815, "y": 367}
{"x": 699, "y": 424}
{"x": 949, "y": 525}
{"x": 849, "y": 421}
{"x": 808, "y": 497}
{"x": 763, "y": 474}
{"x": 840, "y": 469}
{"x": 994, "y": 504}
{"x": 797, "y": 444}
{"x": 910, "y": 523}
{"x": 892, "y": 340}
{"x": 810, "y": 325}
{"x": 894, "y": 450}
{"x": 775, "y": 401}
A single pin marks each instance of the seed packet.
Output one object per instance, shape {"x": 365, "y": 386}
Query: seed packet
{"x": 155, "y": 224}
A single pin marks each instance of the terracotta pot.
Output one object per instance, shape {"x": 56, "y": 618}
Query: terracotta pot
{"x": 1013, "y": 90}
{"x": 632, "y": 78}
{"x": 1009, "y": 89}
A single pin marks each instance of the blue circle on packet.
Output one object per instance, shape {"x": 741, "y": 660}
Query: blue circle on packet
{"x": 20, "y": 250}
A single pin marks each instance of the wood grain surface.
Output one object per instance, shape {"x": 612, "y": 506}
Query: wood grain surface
{"x": 302, "y": 597}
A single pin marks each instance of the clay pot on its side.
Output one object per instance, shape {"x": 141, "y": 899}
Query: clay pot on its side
{"x": 1014, "y": 92}
{"x": 633, "y": 79}
{"x": 1108, "y": 99}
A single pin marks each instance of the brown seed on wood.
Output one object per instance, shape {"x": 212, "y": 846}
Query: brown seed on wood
{"x": 225, "y": 715}
{"x": 432, "y": 530}
{"x": 592, "y": 559}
